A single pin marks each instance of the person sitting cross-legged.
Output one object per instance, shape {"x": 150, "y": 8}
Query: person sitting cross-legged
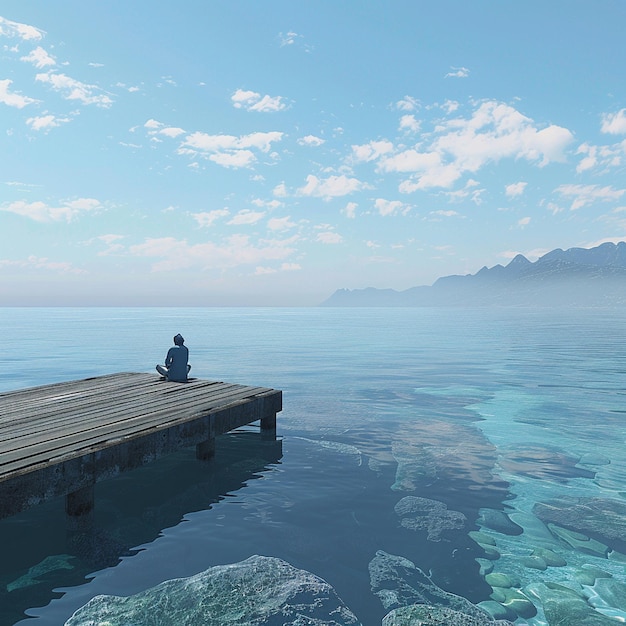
{"x": 176, "y": 362}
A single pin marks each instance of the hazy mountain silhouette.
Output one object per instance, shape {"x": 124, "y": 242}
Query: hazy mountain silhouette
{"x": 574, "y": 277}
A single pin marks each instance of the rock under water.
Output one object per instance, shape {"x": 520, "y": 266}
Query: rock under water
{"x": 259, "y": 590}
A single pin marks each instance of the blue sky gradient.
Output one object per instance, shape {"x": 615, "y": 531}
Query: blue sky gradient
{"x": 267, "y": 153}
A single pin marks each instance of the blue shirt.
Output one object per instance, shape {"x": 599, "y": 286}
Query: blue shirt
{"x": 176, "y": 363}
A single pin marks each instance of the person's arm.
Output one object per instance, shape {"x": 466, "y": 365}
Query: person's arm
{"x": 169, "y": 358}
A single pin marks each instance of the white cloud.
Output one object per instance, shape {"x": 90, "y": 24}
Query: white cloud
{"x": 172, "y": 132}
{"x": 493, "y": 132}
{"x": 16, "y": 29}
{"x": 39, "y": 58}
{"x": 496, "y": 131}
{"x": 13, "y": 99}
{"x": 614, "y": 123}
{"x": 601, "y": 156}
{"x": 72, "y": 89}
{"x": 290, "y": 267}
{"x": 271, "y": 204}
{"x": 311, "y": 140}
{"x": 515, "y": 189}
{"x": 253, "y": 101}
{"x": 42, "y": 212}
{"x": 524, "y": 221}
{"x": 350, "y": 210}
{"x": 329, "y": 237}
{"x": 410, "y": 161}
{"x": 228, "y": 150}
{"x": 289, "y": 38}
{"x": 371, "y": 151}
{"x": 234, "y": 251}
{"x": 238, "y": 158}
{"x": 153, "y": 124}
{"x": 207, "y": 218}
{"x": 407, "y": 103}
{"x": 246, "y": 216}
{"x": 112, "y": 244}
{"x": 218, "y": 143}
{"x": 445, "y": 213}
{"x": 583, "y": 195}
{"x": 280, "y": 191}
{"x": 280, "y": 223}
{"x": 391, "y": 207}
{"x": 470, "y": 190}
{"x": 332, "y": 187}
{"x": 41, "y": 263}
{"x": 458, "y": 72}
{"x": 46, "y": 122}
{"x": 409, "y": 123}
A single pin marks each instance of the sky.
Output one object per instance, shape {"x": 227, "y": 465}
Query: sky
{"x": 244, "y": 153}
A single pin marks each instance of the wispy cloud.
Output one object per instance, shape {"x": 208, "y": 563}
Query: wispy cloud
{"x": 209, "y": 217}
{"x": 46, "y": 122}
{"x": 280, "y": 223}
{"x": 42, "y": 212}
{"x": 39, "y": 58}
{"x": 515, "y": 189}
{"x": 331, "y": 187}
{"x": 41, "y": 263}
{"x": 371, "y": 151}
{"x": 227, "y": 150}
{"x": 583, "y": 195}
{"x": 253, "y": 101}
{"x": 72, "y": 89}
{"x": 245, "y": 217}
{"x": 408, "y": 123}
{"x": 289, "y": 38}
{"x": 408, "y": 103}
{"x": 458, "y": 72}
{"x": 22, "y": 31}
{"x": 13, "y": 99}
{"x": 311, "y": 140}
{"x": 329, "y": 237}
{"x": 234, "y": 251}
{"x": 614, "y": 123}
{"x": 391, "y": 207}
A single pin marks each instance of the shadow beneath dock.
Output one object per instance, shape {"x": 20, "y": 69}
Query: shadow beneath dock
{"x": 42, "y": 552}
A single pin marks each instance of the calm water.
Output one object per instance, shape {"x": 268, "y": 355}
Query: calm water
{"x": 454, "y": 457}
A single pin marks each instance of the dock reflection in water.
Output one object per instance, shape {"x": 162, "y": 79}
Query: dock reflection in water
{"x": 41, "y": 551}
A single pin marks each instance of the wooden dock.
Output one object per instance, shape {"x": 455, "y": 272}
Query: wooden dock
{"x": 59, "y": 440}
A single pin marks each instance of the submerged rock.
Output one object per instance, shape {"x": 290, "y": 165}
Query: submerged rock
{"x": 430, "y": 515}
{"x": 579, "y": 542}
{"x": 426, "y": 615}
{"x": 604, "y": 518}
{"x": 258, "y": 591}
{"x": 36, "y": 572}
{"x": 498, "y": 521}
{"x": 564, "y": 606}
{"x": 543, "y": 462}
{"x": 399, "y": 583}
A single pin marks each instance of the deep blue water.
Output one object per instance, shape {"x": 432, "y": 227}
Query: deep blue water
{"x": 486, "y": 447}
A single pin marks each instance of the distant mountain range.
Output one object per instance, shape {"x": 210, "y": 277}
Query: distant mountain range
{"x": 575, "y": 277}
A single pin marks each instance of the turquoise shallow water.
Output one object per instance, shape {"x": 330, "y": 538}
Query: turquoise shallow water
{"x": 461, "y": 458}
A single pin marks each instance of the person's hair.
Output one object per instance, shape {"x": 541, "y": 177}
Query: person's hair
{"x": 178, "y": 340}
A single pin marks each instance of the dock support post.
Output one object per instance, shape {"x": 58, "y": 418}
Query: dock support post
{"x": 80, "y": 502}
{"x": 268, "y": 426}
{"x": 79, "y": 509}
{"x": 205, "y": 450}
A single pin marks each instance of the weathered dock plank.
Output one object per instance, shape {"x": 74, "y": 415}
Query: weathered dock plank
{"x": 61, "y": 439}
